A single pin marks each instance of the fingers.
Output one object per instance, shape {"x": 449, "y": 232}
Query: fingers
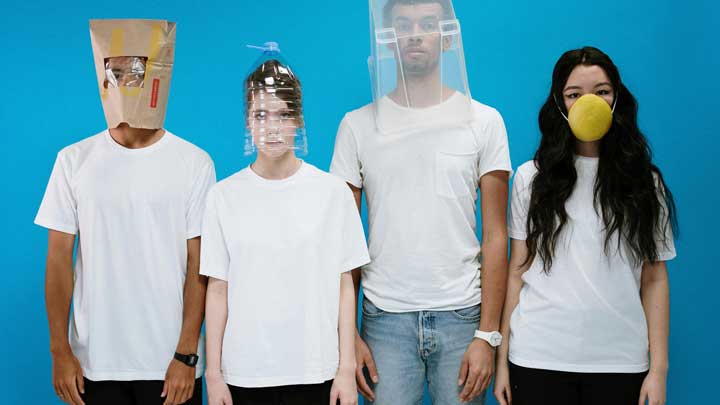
{"x": 172, "y": 391}
{"x": 463, "y": 371}
{"x": 189, "y": 390}
{"x": 643, "y": 396}
{"x": 362, "y": 384}
{"x": 499, "y": 394}
{"x": 62, "y": 394}
{"x": 72, "y": 394}
{"x": 177, "y": 392}
{"x": 334, "y": 396}
{"x": 508, "y": 394}
{"x": 370, "y": 364}
{"x": 470, "y": 382}
{"x": 183, "y": 392}
{"x": 80, "y": 382}
{"x": 67, "y": 391}
{"x": 349, "y": 399}
{"x": 482, "y": 384}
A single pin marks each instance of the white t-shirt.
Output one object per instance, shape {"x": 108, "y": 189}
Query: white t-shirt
{"x": 133, "y": 210}
{"x": 421, "y": 189}
{"x": 281, "y": 245}
{"x": 586, "y": 314}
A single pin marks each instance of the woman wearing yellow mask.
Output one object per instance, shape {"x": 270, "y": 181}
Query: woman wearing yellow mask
{"x": 591, "y": 225}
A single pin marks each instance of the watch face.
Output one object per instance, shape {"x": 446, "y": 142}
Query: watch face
{"x": 192, "y": 360}
{"x": 495, "y": 339}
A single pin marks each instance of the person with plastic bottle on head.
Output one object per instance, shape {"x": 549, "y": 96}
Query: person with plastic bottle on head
{"x": 280, "y": 238}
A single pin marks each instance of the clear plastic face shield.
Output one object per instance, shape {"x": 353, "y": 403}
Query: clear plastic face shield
{"x": 274, "y": 122}
{"x": 417, "y": 65}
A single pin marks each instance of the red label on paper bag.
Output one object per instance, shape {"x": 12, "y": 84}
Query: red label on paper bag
{"x": 154, "y": 96}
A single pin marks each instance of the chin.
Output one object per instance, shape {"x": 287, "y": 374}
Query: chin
{"x": 276, "y": 154}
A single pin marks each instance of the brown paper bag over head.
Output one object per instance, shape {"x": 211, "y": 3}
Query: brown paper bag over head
{"x": 133, "y": 61}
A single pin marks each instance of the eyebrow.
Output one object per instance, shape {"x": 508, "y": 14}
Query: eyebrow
{"x": 580, "y": 88}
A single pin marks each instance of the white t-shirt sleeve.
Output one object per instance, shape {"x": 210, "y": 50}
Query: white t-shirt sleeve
{"x": 204, "y": 179}
{"x": 495, "y": 153}
{"x": 346, "y": 161}
{"x": 519, "y": 205}
{"x": 214, "y": 255}
{"x": 354, "y": 251}
{"x": 58, "y": 210}
{"x": 664, "y": 239}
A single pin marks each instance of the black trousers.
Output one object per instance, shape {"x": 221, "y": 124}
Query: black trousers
{"x": 531, "y": 386}
{"x": 309, "y": 394}
{"x": 131, "y": 393}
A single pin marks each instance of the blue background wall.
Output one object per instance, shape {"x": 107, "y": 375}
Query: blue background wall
{"x": 666, "y": 50}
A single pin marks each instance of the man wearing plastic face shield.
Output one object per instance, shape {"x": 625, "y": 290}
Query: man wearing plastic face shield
{"x": 133, "y": 196}
{"x": 420, "y": 151}
{"x": 419, "y": 46}
{"x": 280, "y": 239}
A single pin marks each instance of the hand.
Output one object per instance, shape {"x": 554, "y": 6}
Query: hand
{"x": 364, "y": 359}
{"x": 502, "y": 385}
{"x": 218, "y": 391}
{"x": 476, "y": 369}
{"x": 179, "y": 383}
{"x": 653, "y": 389}
{"x": 344, "y": 388}
{"x": 67, "y": 377}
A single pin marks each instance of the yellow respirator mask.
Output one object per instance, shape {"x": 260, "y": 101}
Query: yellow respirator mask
{"x": 590, "y": 118}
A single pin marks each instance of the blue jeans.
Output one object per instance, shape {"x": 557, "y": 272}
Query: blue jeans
{"x": 412, "y": 348}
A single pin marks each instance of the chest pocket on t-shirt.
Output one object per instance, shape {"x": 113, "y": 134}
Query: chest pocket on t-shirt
{"x": 455, "y": 174}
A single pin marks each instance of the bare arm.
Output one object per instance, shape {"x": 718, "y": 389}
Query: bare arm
{"x": 518, "y": 254}
{"x": 494, "y": 192}
{"x": 655, "y": 295}
{"x": 59, "y": 288}
{"x": 344, "y": 386}
{"x": 180, "y": 378}
{"x": 347, "y": 325}
{"x": 357, "y": 194}
{"x": 514, "y": 285}
{"x": 217, "y": 313}
{"x": 215, "y": 323}
{"x": 356, "y": 273}
{"x": 67, "y": 374}
{"x": 363, "y": 357}
{"x": 478, "y": 364}
{"x": 193, "y": 300}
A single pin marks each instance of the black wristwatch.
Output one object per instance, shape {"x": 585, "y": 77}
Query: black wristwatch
{"x": 189, "y": 360}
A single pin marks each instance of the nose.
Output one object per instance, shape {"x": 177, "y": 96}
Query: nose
{"x": 416, "y": 38}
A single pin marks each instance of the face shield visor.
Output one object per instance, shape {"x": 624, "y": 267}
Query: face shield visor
{"x": 417, "y": 66}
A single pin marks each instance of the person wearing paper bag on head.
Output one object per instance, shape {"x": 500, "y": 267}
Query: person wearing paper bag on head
{"x": 592, "y": 224}
{"x": 280, "y": 238}
{"x": 420, "y": 151}
{"x": 133, "y": 196}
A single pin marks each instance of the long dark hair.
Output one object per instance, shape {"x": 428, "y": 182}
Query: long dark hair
{"x": 630, "y": 192}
